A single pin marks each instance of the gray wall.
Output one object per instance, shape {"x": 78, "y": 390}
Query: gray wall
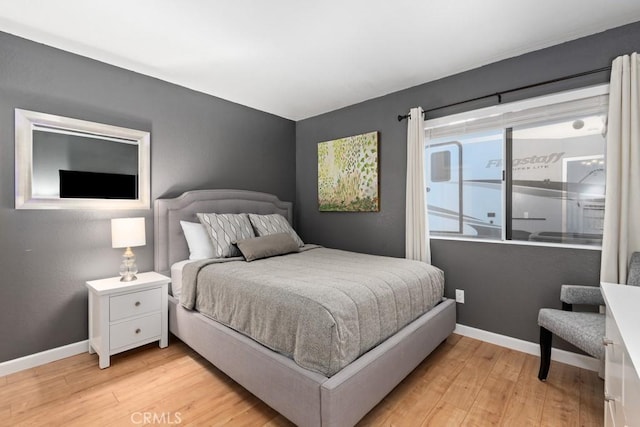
{"x": 505, "y": 284}
{"x": 197, "y": 141}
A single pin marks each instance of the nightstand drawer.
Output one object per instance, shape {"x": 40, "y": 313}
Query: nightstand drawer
{"x": 132, "y": 331}
{"x": 134, "y": 304}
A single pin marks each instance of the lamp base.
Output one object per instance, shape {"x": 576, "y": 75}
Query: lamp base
{"x": 128, "y": 268}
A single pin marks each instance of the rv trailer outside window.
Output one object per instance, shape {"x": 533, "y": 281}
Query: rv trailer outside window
{"x": 469, "y": 203}
{"x": 558, "y": 181}
{"x": 534, "y": 175}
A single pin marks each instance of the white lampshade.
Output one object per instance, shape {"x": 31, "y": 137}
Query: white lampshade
{"x": 127, "y": 232}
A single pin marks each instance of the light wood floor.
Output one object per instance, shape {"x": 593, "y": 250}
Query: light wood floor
{"x": 463, "y": 382}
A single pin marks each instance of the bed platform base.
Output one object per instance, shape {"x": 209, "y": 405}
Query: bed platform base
{"x": 305, "y": 397}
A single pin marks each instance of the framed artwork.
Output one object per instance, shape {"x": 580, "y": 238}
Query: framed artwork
{"x": 348, "y": 174}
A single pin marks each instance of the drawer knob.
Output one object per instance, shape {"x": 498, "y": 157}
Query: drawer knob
{"x": 607, "y": 341}
{"x": 138, "y": 331}
{"x": 137, "y": 304}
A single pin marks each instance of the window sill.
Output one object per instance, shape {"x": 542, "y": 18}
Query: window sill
{"x": 520, "y": 243}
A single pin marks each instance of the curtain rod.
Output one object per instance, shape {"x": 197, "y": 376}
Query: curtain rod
{"x": 499, "y": 94}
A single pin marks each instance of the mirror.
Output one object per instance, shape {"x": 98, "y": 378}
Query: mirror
{"x": 64, "y": 163}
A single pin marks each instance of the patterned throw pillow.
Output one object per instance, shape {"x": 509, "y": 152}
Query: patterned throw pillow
{"x": 265, "y": 225}
{"x": 224, "y": 230}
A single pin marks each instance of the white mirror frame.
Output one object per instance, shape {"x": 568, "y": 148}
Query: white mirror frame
{"x": 26, "y": 121}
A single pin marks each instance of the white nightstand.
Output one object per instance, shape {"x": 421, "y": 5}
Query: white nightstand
{"x": 125, "y": 315}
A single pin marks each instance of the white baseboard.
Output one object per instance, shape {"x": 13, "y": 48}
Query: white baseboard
{"x": 573, "y": 359}
{"x": 37, "y": 359}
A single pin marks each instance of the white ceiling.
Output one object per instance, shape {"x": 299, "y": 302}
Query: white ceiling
{"x": 300, "y": 58}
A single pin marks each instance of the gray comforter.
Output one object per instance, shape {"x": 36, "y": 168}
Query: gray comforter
{"x": 321, "y": 307}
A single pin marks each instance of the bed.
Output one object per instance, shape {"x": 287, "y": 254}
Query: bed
{"x": 305, "y": 397}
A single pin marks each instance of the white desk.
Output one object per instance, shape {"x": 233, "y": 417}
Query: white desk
{"x": 622, "y": 355}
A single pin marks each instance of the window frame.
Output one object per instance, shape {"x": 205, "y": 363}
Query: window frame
{"x": 459, "y": 120}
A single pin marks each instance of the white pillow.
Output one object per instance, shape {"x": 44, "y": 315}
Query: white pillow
{"x": 200, "y": 246}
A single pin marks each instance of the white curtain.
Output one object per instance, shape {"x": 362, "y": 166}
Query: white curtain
{"x": 417, "y": 225}
{"x": 621, "y": 236}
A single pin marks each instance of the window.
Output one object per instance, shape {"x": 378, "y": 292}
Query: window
{"x": 469, "y": 203}
{"x": 527, "y": 171}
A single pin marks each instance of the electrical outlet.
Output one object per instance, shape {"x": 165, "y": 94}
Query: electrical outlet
{"x": 460, "y": 296}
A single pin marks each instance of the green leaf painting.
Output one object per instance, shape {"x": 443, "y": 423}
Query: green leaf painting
{"x": 348, "y": 174}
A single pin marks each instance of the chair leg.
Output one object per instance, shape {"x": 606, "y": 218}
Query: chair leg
{"x": 545, "y": 353}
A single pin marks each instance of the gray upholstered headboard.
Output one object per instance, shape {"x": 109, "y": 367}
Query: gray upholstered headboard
{"x": 169, "y": 241}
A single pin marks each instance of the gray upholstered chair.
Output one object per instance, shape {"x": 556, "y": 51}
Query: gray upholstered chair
{"x": 584, "y": 330}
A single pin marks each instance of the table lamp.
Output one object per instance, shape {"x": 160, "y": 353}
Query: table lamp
{"x": 127, "y": 233}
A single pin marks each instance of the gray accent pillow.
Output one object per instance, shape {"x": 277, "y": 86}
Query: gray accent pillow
{"x": 267, "y": 246}
{"x": 224, "y": 230}
{"x": 265, "y": 225}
